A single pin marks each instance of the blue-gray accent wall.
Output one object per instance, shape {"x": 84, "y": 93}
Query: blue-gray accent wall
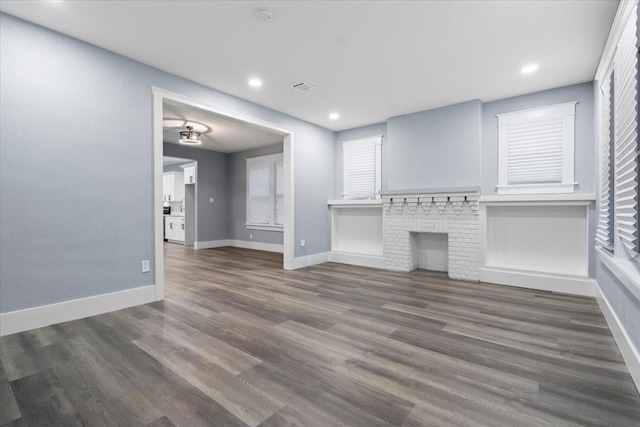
{"x": 77, "y": 140}
{"x": 434, "y": 148}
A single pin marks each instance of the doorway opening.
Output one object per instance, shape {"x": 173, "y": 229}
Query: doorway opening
{"x": 242, "y": 194}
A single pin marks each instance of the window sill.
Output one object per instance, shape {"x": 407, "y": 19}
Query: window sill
{"x": 355, "y": 202}
{"x": 563, "y": 188}
{"x": 265, "y": 227}
{"x": 626, "y": 271}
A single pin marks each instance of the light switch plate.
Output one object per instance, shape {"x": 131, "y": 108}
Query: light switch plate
{"x": 210, "y": 199}
{"x": 145, "y": 266}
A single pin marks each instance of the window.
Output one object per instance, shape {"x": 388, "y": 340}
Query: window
{"x": 535, "y": 150}
{"x": 618, "y": 209}
{"x": 604, "y": 232}
{"x": 362, "y": 164}
{"x": 625, "y": 108}
{"x": 265, "y": 193}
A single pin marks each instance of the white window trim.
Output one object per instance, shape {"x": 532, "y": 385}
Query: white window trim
{"x": 271, "y": 159}
{"x": 567, "y": 111}
{"x": 377, "y": 140}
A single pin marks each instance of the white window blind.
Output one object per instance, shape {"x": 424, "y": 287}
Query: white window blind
{"x": 362, "y": 168}
{"x": 258, "y": 200}
{"x": 265, "y": 192}
{"x": 604, "y": 232}
{"x": 535, "y": 150}
{"x": 626, "y": 139}
{"x": 279, "y": 193}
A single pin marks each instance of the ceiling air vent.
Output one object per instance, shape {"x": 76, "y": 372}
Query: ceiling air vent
{"x": 302, "y": 86}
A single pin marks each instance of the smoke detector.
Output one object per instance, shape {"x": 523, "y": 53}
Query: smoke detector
{"x": 302, "y": 86}
{"x": 264, "y": 15}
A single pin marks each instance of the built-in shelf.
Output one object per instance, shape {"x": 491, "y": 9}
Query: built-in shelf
{"x": 540, "y": 199}
{"x": 354, "y": 203}
{"x": 537, "y": 240}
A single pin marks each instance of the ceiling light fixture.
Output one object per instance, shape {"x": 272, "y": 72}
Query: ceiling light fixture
{"x": 334, "y": 116}
{"x": 528, "y": 69}
{"x": 255, "y": 82}
{"x": 189, "y": 137}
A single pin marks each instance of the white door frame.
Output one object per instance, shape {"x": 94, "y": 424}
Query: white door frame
{"x": 158, "y": 97}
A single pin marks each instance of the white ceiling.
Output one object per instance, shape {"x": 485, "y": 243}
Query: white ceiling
{"x": 217, "y": 133}
{"x": 170, "y": 161}
{"x": 400, "y": 57}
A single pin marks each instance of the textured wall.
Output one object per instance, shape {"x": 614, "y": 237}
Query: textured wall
{"x": 77, "y": 139}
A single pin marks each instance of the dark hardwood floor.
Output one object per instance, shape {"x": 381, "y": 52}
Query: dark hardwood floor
{"x": 238, "y": 341}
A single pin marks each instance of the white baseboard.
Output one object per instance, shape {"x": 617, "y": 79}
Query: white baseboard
{"x": 250, "y": 244}
{"x": 374, "y": 261}
{"x": 309, "y": 260}
{"x": 45, "y": 315}
{"x": 208, "y": 244}
{"x": 630, "y": 354}
{"x": 567, "y": 284}
{"x": 247, "y": 244}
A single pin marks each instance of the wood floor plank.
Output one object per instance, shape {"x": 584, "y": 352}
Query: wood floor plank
{"x": 238, "y": 341}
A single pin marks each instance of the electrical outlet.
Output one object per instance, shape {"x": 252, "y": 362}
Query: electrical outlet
{"x": 250, "y": 236}
{"x": 302, "y": 242}
{"x": 145, "y": 266}
{"x": 210, "y": 199}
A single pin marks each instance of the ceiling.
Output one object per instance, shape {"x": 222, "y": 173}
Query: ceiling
{"x": 399, "y": 57}
{"x": 218, "y": 133}
{"x": 170, "y": 161}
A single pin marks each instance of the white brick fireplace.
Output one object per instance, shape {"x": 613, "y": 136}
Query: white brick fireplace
{"x": 452, "y": 211}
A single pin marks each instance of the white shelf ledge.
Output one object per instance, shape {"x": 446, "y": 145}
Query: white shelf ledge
{"x": 443, "y": 190}
{"x": 355, "y": 203}
{"x": 540, "y": 199}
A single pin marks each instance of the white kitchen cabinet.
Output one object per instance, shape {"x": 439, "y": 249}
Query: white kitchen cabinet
{"x": 172, "y": 186}
{"x": 189, "y": 173}
{"x": 174, "y": 229}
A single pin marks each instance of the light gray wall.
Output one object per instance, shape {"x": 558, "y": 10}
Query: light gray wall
{"x": 434, "y": 148}
{"x": 356, "y": 133}
{"x": 212, "y": 181}
{"x": 585, "y": 147}
{"x": 238, "y": 194}
{"x": 71, "y": 104}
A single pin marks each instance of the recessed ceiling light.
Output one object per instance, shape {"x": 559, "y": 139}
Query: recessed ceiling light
{"x": 528, "y": 69}
{"x": 255, "y": 82}
{"x": 341, "y": 41}
{"x": 334, "y": 116}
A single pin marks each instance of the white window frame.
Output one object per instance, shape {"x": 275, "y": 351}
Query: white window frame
{"x": 348, "y": 145}
{"x": 566, "y": 112}
{"x": 270, "y": 159}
